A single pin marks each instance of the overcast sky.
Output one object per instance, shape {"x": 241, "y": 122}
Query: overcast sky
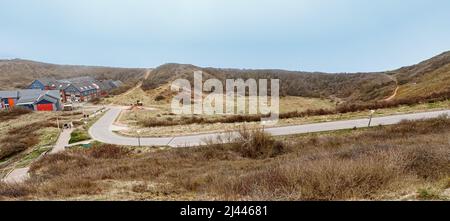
{"x": 309, "y": 35}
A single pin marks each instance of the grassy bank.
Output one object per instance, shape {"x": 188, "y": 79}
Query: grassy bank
{"x": 406, "y": 161}
{"x": 79, "y": 135}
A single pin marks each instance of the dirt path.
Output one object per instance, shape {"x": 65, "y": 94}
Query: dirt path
{"x": 396, "y": 89}
{"x": 393, "y": 95}
{"x": 147, "y": 74}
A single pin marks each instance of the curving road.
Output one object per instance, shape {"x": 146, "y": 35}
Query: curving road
{"x": 102, "y": 129}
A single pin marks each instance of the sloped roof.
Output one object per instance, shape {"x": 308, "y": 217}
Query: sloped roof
{"x": 8, "y": 94}
{"x": 46, "y": 97}
{"x": 60, "y": 85}
{"x": 54, "y": 93}
{"x": 104, "y": 85}
{"x": 28, "y": 99}
{"x": 82, "y": 84}
{"x": 85, "y": 86}
{"x": 116, "y": 84}
{"x": 46, "y": 81}
{"x": 29, "y": 92}
{"x": 83, "y": 79}
{"x": 34, "y": 96}
{"x": 28, "y": 96}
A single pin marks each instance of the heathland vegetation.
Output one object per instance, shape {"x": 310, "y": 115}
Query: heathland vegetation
{"x": 427, "y": 79}
{"x": 406, "y": 161}
{"x": 426, "y": 82}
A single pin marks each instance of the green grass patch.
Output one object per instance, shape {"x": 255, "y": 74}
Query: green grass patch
{"x": 78, "y": 135}
{"x": 28, "y": 159}
{"x": 428, "y": 194}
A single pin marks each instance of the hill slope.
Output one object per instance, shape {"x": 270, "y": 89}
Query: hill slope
{"x": 19, "y": 73}
{"x": 426, "y": 78}
{"x": 359, "y": 86}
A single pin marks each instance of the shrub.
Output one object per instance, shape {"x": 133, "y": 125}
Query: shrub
{"x": 96, "y": 100}
{"x": 13, "y": 191}
{"x": 428, "y": 163}
{"x": 107, "y": 152}
{"x": 159, "y": 98}
{"x": 18, "y": 140}
{"x": 427, "y": 194}
{"x": 28, "y": 130}
{"x": 256, "y": 144}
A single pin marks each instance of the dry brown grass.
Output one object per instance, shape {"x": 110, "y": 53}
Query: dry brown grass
{"x": 13, "y": 113}
{"x": 21, "y": 138}
{"x": 378, "y": 163}
{"x": 341, "y": 109}
{"x": 256, "y": 144}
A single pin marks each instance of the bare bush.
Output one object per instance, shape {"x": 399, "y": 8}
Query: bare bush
{"x": 257, "y": 144}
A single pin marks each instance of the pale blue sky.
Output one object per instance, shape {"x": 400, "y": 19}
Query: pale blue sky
{"x": 309, "y": 35}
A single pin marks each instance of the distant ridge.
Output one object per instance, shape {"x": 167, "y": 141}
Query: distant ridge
{"x": 425, "y": 78}
{"x": 18, "y": 73}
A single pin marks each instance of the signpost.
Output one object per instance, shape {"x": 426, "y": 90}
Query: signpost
{"x": 371, "y": 116}
{"x": 139, "y": 137}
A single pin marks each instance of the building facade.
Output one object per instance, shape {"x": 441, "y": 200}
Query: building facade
{"x": 33, "y": 99}
{"x": 79, "y": 89}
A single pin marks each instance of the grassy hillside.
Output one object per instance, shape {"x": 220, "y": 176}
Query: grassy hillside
{"x": 360, "y": 86}
{"x": 423, "y": 79}
{"x": 19, "y": 73}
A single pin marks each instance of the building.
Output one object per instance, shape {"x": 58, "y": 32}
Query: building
{"x": 8, "y": 99}
{"x": 116, "y": 84}
{"x": 80, "y": 92}
{"x": 79, "y": 89}
{"x": 33, "y": 99}
{"x": 42, "y": 84}
{"x": 105, "y": 87}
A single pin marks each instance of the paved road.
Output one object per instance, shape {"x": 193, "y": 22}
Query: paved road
{"x": 102, "y": 129}
{"x": 62, "y": 141}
